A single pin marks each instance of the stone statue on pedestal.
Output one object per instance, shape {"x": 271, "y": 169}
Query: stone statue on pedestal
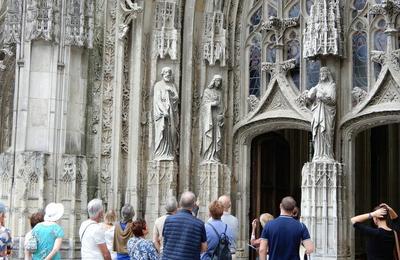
{"x": 212, "y": 121}
{"x": 166, "y": 117}
{"x": 324, "y": 110}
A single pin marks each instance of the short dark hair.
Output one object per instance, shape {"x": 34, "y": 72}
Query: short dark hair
{"x": 36, "y": 218}
{"x": 288, "y": 204}
{"x": 386, "y": 217}
{"x": 216, "y": 209}
{"x": 138, "y": 226}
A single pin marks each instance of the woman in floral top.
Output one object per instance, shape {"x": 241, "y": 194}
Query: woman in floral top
{"x": 138, "y": 247}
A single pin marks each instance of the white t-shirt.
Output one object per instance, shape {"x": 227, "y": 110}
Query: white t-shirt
{"x": 158, "y": 229}
{"x": 91, "y": 235}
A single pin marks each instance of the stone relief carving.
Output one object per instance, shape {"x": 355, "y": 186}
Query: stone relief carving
{"x": 324, "y": 110}
{"x": 71, "y": 177}
{"x": 126, "y": 90}
{"x": 279, "y": 26}
{"x": 324, "y": 34}
{"x": 79, "y": 23}
{"x": 12, "y": 23}
{"x": 278, "y": 68}
{"x": 129, "y": 10}
{"x": 165, "y": 29}
{"x": 212, "y": 121}
{"x": 215, "y": 36}
{"x": 166, "y": 117}
{"x": 389, "y": 92}
{"x": 42, "y": 18}
{"x": 389, "y": 9}
{"x": 357, "y": 95}
{"x": 6, "y": 164}
{"x": 30, "y": 167}
{"x": 253, "y": 102}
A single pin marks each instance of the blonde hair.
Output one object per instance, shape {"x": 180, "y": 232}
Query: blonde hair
{"x": 110, "y": 217}
{"x": 265, "y": 218}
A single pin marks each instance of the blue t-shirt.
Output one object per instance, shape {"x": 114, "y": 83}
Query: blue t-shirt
{"x": 183, "y": 235}
{"x": 213, "y": 238}
{"x": 46, "y": 236}
{"x": 284, "y": 235}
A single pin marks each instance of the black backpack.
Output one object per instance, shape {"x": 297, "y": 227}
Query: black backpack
{"x": 222, "y": 251}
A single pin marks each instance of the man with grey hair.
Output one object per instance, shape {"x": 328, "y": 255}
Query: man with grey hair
{"x": 171, "y": 206}
{"x": 123, "y": 232}
{"x": 230, "y": 220}
{"x": 93, "y": 243}
{"x": 184, "y": 235}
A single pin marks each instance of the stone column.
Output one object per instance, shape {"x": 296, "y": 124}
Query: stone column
{"x": 322, "y": 208}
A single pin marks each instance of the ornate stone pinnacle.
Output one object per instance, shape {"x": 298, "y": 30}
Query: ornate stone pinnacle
{"x": 129, "y": 11}
{"x": 279, "y": 25}
{"x": 278, "y": 68}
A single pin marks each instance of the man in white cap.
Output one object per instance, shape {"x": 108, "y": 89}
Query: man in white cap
{"x": 91, "y": 234}
{"x": 5, "y": 234}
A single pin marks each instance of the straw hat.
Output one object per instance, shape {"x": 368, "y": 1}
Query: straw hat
{"x": 54, "y": 212}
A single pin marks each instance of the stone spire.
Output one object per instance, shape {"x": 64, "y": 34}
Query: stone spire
{"x": 323, "y": 34}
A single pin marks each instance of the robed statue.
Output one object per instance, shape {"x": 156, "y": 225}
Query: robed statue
{"x": 323, "y": 96}
{"x": 166, "y": 117}
{"x": 212, "y": 121}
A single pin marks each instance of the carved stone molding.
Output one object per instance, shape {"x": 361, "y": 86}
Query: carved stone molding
{"x": 389, "y": 9}
{"x": 389, "y": 58}
{"x": 253, "y": 102}
{"x": 73, "y": 177}
{"x": 30, "y": 171}
{"x": 43, "y": 20}
{"x": 165, "y": 29}
{"x": 324, "y": 34}
{"x": 79, "y": 23}
{"x": 129, "y": 11}
{"x": 12, "y": 23}
{"x": 358, "y": 95}
{"x": 215, "y": 37}
{"x": 6, "y": 167}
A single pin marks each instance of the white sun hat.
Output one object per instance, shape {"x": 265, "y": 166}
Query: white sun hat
{"x": 54, "y": 212}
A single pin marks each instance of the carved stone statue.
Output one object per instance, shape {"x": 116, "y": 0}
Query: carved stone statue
{"x": 166, "y": 117}
{"x": 211, "y": 121}
{"x": 324, "y": 110}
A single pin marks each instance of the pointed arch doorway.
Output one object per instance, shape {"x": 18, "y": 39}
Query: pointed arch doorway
{"x": 277, "y": 158}
{"x": 377, "y": 178}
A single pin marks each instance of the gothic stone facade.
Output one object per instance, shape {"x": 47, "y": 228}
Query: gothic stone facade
{"x": 77, "y": 97}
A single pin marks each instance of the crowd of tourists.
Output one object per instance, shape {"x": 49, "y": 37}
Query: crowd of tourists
{"x": 181, "y": 235}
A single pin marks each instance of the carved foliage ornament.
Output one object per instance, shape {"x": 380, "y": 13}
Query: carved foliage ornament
{"x": 12, "y": 23}
{"x": 42, "y": 18}
{"x": 279, "y": 25}
{"x": 129, "y": 11}
{"x": 215, "y": 37}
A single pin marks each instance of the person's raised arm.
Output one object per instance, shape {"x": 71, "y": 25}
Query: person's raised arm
{"x": 363, "y": 217}
{"x": 392, "y": 213}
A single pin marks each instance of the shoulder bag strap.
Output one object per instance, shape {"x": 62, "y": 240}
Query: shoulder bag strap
{"x": 83, "y": 233}
{"x": 397, "y": 244}
{"x": 216, "y": 232}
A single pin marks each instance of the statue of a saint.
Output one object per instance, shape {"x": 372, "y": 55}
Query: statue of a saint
{"x": 324, "y": 110}
{"x": 166, "y": 117}
{"x": 212, "y": 121}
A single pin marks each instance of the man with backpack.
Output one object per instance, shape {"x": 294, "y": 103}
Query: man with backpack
{"x": 219, "y": 235}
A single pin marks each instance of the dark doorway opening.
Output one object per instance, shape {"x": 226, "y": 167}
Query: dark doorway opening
{"x": 276, "y": 162}
{"x": 377, "y": 165}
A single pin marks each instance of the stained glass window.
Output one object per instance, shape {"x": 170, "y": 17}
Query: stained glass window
{"x": 360, "y": 59}
{"x": 255, "y": 19}
{"x": 380, "y": 44}
{"x": 294, "y": 11}
{"x": 255, "y": 66}
{"x": 313, "y": 68}
{"x": 359, "y": 4}
{"x": 293, "y": 52}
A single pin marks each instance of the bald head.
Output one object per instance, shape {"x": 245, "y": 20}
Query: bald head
{"x": 226, "y": 202}
{"x": 288, "y": 204}
{"x": 187, "y": 201}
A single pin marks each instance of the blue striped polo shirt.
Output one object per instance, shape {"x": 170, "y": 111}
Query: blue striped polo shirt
{"x": 183, "y": 235}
